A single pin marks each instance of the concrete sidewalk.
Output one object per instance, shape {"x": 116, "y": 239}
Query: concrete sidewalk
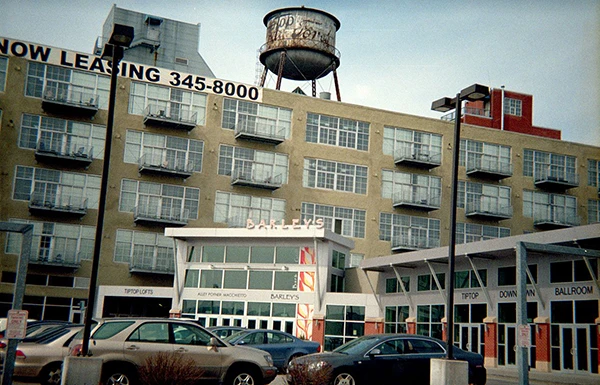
{"x": 543, "y": 378}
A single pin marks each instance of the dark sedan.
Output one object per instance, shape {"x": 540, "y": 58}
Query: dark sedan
{"x": 283, "y": 346}
{"x": 388, "y": 358}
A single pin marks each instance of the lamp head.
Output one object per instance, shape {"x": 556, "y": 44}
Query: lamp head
{"x": 444, "y": 104}
{"x": 475, "y": 92}
{"x": 122, "y": 35}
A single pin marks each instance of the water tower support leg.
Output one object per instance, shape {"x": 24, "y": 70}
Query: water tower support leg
{"x": 263, "y": 77}
{"x": 280, "y": 70}
{"x": 337, "y": 84}
{"x": 314, "y": 88}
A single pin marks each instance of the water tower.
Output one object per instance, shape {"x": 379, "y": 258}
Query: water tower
{"x": 300, "y": 46}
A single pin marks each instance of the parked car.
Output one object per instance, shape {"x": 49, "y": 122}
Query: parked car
{"x": 37, "y": 330}
{"x": 388, "y": 358}
{"x": 41, "y": 361}
{"x": 125, "y": 343}
{"x": 225, "y": 331}
{"x": 282, "y": 346}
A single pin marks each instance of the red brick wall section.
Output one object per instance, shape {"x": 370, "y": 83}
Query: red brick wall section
{"x": 411, "y": 325}
{"x": 542, "y": 343}
{"x": 373, "y": 327}
{"x": 318, "y": 330}
{"x": 491, "y": 340}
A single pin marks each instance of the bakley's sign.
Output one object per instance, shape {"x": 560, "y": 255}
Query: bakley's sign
{"x": 141, "y": 72}
{"x": 295, "y": 225}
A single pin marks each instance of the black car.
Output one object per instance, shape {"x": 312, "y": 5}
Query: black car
{"x": 387, "y": 359}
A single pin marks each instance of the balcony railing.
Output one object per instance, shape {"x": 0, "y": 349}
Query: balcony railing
{"x": 259, "y": 131}
{"x": 143, "y": 264}
{"x": 64, "y": 149}
{"x": 418, "y": 156}
{"x": 69, "y": 99}
{"x": 553, "y": 218}
{"x": 51, "y": 257}
{"x": 488, "y": 168}
{"x": 405, "y": 243}
{"x": 411, "y": 199}
{"x": 250, "y": 177}
{"x": 467, "y": 111}
{"x": 160, "y": 215}
{"x": 170, "y": 117}
{"x": 486, "y": 208}
{"x": 58, "y": 203}
{"x": 159, "y": 164}
{"x": 555, "y": 177}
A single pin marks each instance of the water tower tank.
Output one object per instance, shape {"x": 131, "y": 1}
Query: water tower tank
{"x": 306, "y": 36}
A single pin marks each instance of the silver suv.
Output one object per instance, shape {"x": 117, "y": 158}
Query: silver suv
{"x": 125, "y": 343}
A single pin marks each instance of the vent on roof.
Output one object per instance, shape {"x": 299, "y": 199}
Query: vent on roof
{"x": 181, "y": 60}
{"x": 153, "y": 20}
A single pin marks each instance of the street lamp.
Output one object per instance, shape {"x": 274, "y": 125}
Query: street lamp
{"x": 120, "y": 38}
{"x": 472, "y": 93}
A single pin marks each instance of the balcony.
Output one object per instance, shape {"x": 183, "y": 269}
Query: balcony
{"x": 45, "y": 203}
{"x": 555, "y": 178}
{"x": 490, "y": 169}
{"x": 170, "y": 117}
{"x": 262, "y": 132}
{"x": 405, "y": 243}
{"x": 410, "y": 199}
{"x": 555, "y": 218}
{"x": 486, "y": 208}
{"x": 152, "y": 215}
{"x": 52, "y": 258}
{"x": 54, "y": 150}
{"x": 66, "y": 100}
{"x": 250, "y": 177}
{"x": 144, "y": 265}
{"x": 417, "y": 157}
{"x": 159, "y": 164}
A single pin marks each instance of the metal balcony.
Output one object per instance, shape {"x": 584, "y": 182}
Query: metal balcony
{"x": 157, "y": 164}
{"x": 170, "y": 117}
{"x": 160, "y": 216}
{"x": 259, "y": 132}
{"x": 482, "y": 208}
{"x": 426, "y": 202}
{"x": 555, "y": 220}
{"x": 57, "y": 203}
{"x": 52, "y": 150}
{"x": 142, "y": 265}
{"x": 65, "y": 99}
{"x": 402, "y": 244}
{"x": 244, "y": 176}
{"x": 555, "y": 178}
{"x": 52, "y": 258}
{"x": 417, "y": 157}
{"x": 490, "y": 169}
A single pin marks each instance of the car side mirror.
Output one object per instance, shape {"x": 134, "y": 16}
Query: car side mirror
{"x": 374, "y": 352}
{"x": 213, "y": 342}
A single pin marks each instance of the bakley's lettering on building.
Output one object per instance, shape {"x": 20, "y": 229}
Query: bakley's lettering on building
{"x": 285, "y": 297}
{"x": 96, "y": 64}
{"x": 295, "y": 225}
{"x": 574, "y": 290}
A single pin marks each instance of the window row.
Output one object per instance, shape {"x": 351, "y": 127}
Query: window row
{"x": 251, "y": 254}
{"x": 243, "y": 279}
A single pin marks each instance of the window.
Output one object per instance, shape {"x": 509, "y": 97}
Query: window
{"x": 336, "y": 176}
{"x": 260, "y": 119}
{"x": 404, "y": 187}
{"x": 395, "y": 319}
{"x": 393, "y": 286}
{"x": 550, "y": 208}
{"x": 507, "y": 276}
{"x": 472, "y": 232}
{"x": 468, "y": 279}
{"x": 485, "y": 156}
{"x": 151, "y": 332}
{"x": 593, "y": 211}
{"x": 429, "y": 320}
{"x": 548, "y": 166}
{"x": 253, "y": 165}
{"x": 513, "y": 106}
{"x": 55, "y": 242}
{"x": 145, "y": 250}
{"x": 573, "y": 271}
{"x": 337, "y": 132}
{"x": 64, "y": 83}
{"x": 345, "y": 221}
{"x": 159, "y": 200}
{"x": 56, "y": 188}
{"x": 336, "y": 283}
{"x": 484, "y": 198}
{"x": 163, "y": 151}
{"x": 62, "y": 136}
{"x": 3, "y": 70}
{"x": 343, "y": 323}
{"x": 236, "y": 209}
{"x": 426, "y": 282}
{"x": 175, "y": 103}
{"x": 338, "y": 260}
{"x": 594, "y": 173}
{"x": 409, "y": 231}
{"x": 356, "y": 259}
{"x": 403, "y": 143}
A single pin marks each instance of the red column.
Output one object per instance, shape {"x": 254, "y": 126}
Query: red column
{"x": 175, "y": 313}
{"x": 444, "y": 329}
{"x": 491, "y": 342}
{"x": 373, "y": 326}
{"x": 542, "y": 344}
{"x": 411, "y": 325}
{"x": 318, "y": 330}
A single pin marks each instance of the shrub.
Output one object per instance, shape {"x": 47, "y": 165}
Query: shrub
{"x": 169, "y": 368}
{"x": 311, "y": 371}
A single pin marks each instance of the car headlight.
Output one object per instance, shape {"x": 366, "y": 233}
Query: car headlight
{"x": 316, "y": 365}
{"x": 269, "y": 359}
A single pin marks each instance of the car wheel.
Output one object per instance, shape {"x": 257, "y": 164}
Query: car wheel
{"x": 344, "y": 378}
{"x": 118, "y": 376}
{"x": 243, "y": 377}
{"x": 51, "y": 375}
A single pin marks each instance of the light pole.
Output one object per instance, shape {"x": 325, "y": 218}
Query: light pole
{"x": 472, "y": 93}
{"x": 120, "y": 38}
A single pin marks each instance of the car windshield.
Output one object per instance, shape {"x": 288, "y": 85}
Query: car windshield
{"x": 357, "y": 346}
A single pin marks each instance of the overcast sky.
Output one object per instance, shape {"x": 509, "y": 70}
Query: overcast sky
{"x": 395, "y": 55}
